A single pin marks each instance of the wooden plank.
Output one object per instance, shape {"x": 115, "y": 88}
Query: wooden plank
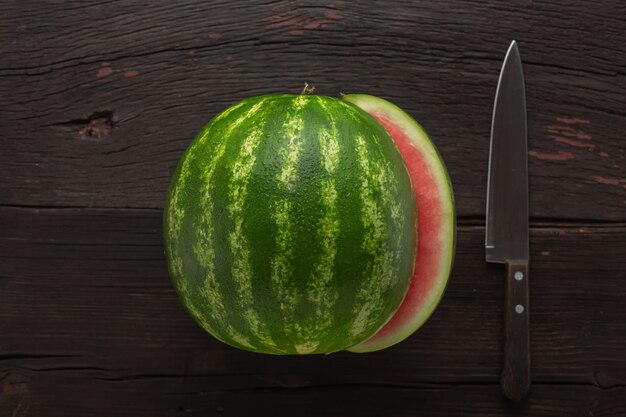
{"x": 88, "y": 289}
{"x": 102, "y": 123}
{"x": 68, "y": 392}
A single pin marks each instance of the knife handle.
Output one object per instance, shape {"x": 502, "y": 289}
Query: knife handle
{"x": 516, "y": 370}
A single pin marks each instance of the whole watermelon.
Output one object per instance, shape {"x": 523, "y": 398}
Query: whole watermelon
{"x": 290, "y": 225}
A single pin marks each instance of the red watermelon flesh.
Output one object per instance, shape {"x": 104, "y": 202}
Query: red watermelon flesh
{"x": 436, "y": 222}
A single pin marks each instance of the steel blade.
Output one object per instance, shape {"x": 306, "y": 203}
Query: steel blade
{"x": 506, "y": 233}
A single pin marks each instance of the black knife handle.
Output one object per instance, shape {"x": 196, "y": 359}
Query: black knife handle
{"x": 516, "y": 370}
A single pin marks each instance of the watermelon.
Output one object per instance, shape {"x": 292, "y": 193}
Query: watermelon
{"x": 290, "y": 225}
{"x": 436, "y": 231}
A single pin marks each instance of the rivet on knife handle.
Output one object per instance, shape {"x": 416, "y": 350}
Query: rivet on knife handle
{"x": 516, "y": 370}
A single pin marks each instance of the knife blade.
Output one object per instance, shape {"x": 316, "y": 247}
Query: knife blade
{"x": 506, "y": 231}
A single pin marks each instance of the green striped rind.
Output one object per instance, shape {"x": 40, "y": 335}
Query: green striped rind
{"x": 447, "y": 235}
{"x": 289, "y": 225}
{"x": 321, "y": 292}
{"x": 378, "y": 188}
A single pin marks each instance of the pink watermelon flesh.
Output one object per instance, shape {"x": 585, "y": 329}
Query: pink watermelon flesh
{"x": 436, "y": 222}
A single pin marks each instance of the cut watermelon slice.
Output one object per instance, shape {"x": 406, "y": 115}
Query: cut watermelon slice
{"x": 436, "y": 222}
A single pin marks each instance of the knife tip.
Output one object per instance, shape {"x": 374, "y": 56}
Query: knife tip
{"x": 513, "y": 53}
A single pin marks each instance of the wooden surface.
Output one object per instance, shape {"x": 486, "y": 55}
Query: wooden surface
{"x": 99, "y": 99}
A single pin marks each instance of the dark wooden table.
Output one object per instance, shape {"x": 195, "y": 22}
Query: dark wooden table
{"x": 99, "y": 99}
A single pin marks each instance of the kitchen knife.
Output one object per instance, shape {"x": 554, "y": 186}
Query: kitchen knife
{"x": 506, "y": 232}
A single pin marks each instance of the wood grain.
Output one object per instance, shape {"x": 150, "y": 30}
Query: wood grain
{"x": 103, "y": 123}
{"x": 47, "y": 394}
{"x": 516, "y": 364}
{"x": 88, "y": 289}
{"x": 98, "y": 100}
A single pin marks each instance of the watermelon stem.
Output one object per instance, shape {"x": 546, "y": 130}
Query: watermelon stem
{"x": 307, "y": 89}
